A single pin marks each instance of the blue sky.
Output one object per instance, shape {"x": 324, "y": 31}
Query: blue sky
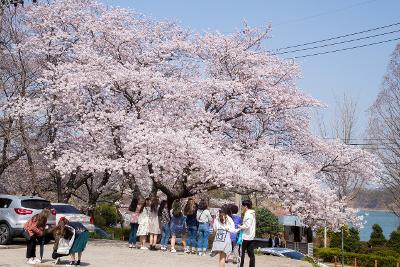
{"x": 357, "y": 72}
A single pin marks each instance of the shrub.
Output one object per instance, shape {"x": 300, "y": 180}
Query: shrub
{"x": 94, "y": 235}
{"x": 394, "y": 240}
{"x": 377, "y": 238}
{"x": 365, "y": 260}
{"x": 118, "y": 233}
{"x": 266, "y": 222}
{"x": 310, "y": 260}
{"x": 105, "y": 215}
{"x": 351, "y": 239}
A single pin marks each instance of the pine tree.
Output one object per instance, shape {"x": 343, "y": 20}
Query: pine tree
{"x": 394, "y": 241}
{"x": 377, "y": 238}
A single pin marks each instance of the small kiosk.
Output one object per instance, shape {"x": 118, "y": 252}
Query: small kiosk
{"x": 297, "y": 235}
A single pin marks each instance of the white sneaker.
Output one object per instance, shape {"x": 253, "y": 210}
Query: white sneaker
{"x": 130, "y": 245}
{"x": 187, "y": 250}
{"x": 31, "y": 261}
{"x": 200, "y": 253}
{"x": 38, "y": 260}
{"x": 173, "y": 250}
{"x": 144, "y": 248}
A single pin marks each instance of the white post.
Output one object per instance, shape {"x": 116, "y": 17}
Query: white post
{"x": 325, "y": 237}
{"x": 238, "y": 201}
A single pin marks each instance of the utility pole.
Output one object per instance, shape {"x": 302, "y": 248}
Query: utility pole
{"x": 342, "y": 248}
{"x": 238, "y": 201}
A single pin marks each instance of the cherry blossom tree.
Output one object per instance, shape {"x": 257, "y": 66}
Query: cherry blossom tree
{"x": 129, "y": 101}
{"x": 385, "y": 128}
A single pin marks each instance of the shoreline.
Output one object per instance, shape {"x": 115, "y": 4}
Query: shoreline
{"x": 369, "y": 209}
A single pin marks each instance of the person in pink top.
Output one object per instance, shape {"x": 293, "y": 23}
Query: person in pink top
{"x": 134, "y": 208}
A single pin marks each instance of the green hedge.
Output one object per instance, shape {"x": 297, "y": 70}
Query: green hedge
{"x": 118, "y": 233}
{"x": 363, "y": 260}
{"x": 105, "y": 215}
{"x": 115, "y": 234}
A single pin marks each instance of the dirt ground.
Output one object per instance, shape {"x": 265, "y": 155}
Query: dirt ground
{"x": 101, "y": 253}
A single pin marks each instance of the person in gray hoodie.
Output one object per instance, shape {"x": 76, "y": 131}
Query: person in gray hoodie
{"x": 249, "y": 231}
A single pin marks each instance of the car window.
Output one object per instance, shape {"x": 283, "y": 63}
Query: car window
{"x": 66, "y": 209}
{"x": 5, "y": 203}
{"x": 37, "y": 204}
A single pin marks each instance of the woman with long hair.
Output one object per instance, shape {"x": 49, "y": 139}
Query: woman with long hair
{"x": 222, "y": 244}
{"x": 154, "y": 223}
{"x": 60, "y": 231}
{"x": 165, "y": 219}
{"x": 134, "y": 209}
{"x": 204, "y": 219}
{"x": 178, "y": 225}
{"x": 144, "y": 221}
{"x": 35, "y": 230}
{"x": 191, "y": 223}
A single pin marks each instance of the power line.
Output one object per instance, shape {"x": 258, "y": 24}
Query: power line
{"x": 337, "y": 37}
{"x": 326, "y": 12}
{"x": 342, "y": 42}
{"x": 347, "y": 48}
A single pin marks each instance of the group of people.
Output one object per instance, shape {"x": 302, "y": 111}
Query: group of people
{"x": 70, "y": 238}
{"x": 193, "y": 223}
{"x": 275, "y": 240}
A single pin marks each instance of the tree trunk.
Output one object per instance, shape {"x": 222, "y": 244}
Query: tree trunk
{"x": 29, "y": 157}
{"x": 170, "y": 201}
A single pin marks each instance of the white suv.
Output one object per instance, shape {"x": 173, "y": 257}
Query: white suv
{"x": 72, "y": 214}
{"x": 15, "y": 211}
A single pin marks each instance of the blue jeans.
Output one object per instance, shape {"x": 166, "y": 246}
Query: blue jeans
{"x": 192, "y": 234}
{"x": 204, "y": 231}
{"x": 165, "y": 233}
{"x": 132, "y": 235}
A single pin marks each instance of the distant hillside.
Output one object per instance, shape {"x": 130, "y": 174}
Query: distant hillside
{"x": 373, "y": 199}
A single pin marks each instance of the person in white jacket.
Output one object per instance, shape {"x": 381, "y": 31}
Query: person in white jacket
{"x": 222, "y": 244}
{"x": 249, "y": 231}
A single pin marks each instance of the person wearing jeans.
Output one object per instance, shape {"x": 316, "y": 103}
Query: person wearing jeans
{"x": 204, "y": 232}
{"x": 165, "y": 234}
{"x": 165, "y": 219}
{"x": 249, "y": 231}
{"x": 134, "y": 208}
{"x": 190, "y": 211}
{"x": 204, "y": 219}
{"x": 132, "y": 235}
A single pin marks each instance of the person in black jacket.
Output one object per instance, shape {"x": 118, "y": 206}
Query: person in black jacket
{"x": 278, "y": 241}
{"x": 270, "y": 240}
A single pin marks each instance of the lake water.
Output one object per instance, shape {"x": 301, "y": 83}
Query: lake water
{"x": 387, "y": 220}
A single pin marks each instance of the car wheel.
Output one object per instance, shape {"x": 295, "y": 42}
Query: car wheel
{"x": 5, "y": 234}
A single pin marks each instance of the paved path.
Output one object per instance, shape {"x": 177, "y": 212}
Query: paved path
{"x": 101, "y": 253}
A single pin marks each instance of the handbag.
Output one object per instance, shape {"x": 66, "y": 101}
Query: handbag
{"x": 239, "y": 240}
